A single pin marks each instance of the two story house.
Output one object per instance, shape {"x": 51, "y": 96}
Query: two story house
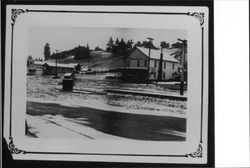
{"x": 167, "y": 65}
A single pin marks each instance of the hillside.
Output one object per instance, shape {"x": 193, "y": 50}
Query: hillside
{"x": 97, "y": 60}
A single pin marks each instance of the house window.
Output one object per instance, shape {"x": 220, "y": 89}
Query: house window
{"x": 164, "y": 65}
{"x": 154, "y": 74}
{"x": 155, "y": 64}
{"x": 128, "y": 64}
{"x": 164, "y": 75}
{"x": 151, "y": 73}
{"x": 173, "y": 66}
{"x": 145, "y": 63}
{"x": 138, "y": 63}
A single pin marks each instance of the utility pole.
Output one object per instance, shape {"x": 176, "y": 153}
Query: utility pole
{"x": 149, "y": 51}
{"x": 184, "y": 45}
{"x": 160, "y": 65}
{"x": 56, "y": 76}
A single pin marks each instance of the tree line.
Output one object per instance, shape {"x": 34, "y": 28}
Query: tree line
{"x": 79, "y": 52}
{"x": 121, "y": 47}
{"x": 118, "y": 47}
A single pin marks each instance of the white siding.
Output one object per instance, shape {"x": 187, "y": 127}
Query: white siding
{"x": 136, "y": 56}
{"x": 167, "y": 66}
{"x": 154, "y": 67}
{"x": 169, "y": 69}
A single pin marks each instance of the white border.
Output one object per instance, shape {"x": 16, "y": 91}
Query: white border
{"x": 192, "y": 24}
{"x": 232, "y": 140}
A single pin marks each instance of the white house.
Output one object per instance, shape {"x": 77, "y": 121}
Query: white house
{"x": 139, "y": 57}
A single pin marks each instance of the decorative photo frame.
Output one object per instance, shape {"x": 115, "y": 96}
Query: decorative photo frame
{"x": 183, "y": 129}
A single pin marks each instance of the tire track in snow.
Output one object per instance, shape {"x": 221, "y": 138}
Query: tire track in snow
{"x": 53, "y": 122}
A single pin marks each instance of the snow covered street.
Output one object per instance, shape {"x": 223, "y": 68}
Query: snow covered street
{"x": 60, "y": 127}
{"x": 93, "y": 114}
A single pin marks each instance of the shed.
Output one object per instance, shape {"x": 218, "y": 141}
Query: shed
{"x": 50, "y": 68}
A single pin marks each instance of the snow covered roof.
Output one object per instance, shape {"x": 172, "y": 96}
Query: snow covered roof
{"x": 155, "y": 54}
{"x": 38, "y": 62}
{"x": 68, "y": 74}
{"x": 53, "y": 64}
{"x": 172, "y": 51}
{"x": 73, "y": 64}
{"x": 50, "y": 63}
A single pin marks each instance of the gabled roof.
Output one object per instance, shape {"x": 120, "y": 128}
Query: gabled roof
{"x": 53, "y": 64}
{"x": 156, "y": 54}
{"x": 38, "y": 62}
{"x": 172, "y": 51}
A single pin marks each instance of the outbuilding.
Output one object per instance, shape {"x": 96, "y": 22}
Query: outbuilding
{"x": 50, "y": 68}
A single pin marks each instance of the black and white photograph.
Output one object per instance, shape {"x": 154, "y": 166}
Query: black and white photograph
{"x": 107, "y": 84}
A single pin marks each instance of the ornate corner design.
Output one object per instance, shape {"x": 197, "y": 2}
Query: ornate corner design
{"x": 197, "y": 154}
{"x": 15, "y": 13}
{"x": 13, "y": 149}
{"x": 199, "y": 16}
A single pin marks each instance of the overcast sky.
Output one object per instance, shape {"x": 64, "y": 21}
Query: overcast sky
{"x": 65, "y": 38}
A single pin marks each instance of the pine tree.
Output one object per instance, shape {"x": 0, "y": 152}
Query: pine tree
{"x": 138, "y": 44}
{"x": 164, "y": 44}
{"x": 88, "y": 46}
{"x": 130, "y": 44}
{"x": 117, "y": 42}
{"x": 46, "y": 51}
{"x": 110, "y": 45}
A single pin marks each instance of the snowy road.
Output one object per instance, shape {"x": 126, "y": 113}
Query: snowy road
{"x": 60, "y": 127}
{"x": 59, "y": 119}
{"x": 95, "y": 115}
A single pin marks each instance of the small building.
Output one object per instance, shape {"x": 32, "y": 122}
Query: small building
{"x": 31, "y": 71}
{"x": 38, "y": 64}
{"x": 30, "y": 61}
{"x": 137, "y": 64}
{"x": 50, "y": 68}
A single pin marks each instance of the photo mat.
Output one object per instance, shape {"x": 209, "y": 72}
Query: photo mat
{"x": 119, "y": 127}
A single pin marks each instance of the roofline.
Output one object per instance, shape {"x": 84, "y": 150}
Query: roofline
{"x": 62, "y": 63}
{"x": 164, "y": 60}
{"x": 59, "y": 66}
{"x": 155, "y": 58}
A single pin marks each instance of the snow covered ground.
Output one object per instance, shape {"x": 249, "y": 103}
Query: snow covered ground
{"x": 57, "y": 126}
{"x": 168, "y": 115}
{"x": 60, "y": 119}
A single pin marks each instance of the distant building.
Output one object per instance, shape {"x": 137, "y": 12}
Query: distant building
{"x": 30, "y": 61}
{"x": 31, "y": 71}
{"x": 50, "y": 68}
{"x": 38, "y": 64}
{"x": 176, "y": 53}
{"x": 137, "y": 64}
